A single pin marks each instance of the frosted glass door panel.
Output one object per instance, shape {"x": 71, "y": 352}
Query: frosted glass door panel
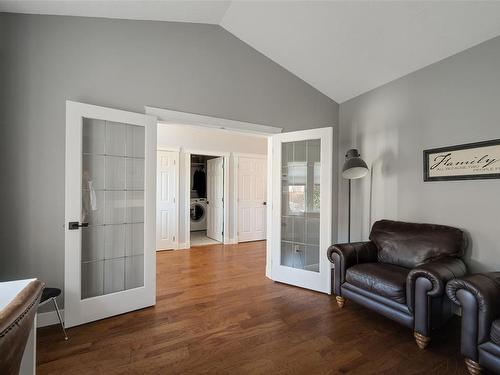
{"x": 300, "y": 204}
{"x": 113, "y": 206}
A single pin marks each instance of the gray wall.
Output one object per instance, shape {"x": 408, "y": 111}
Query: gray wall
{"x": 451, "y": 102}
{"x": 123, "y": 64}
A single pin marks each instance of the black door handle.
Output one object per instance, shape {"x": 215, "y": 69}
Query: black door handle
{"x": 265, "y": 203}
{"x": 76, "y": 225}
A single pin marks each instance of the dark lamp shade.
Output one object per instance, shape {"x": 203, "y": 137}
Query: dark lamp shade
{"x": 354, "y": 167}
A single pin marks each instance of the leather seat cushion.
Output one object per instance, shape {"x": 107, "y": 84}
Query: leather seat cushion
{"x": 386, "y": 280}
{"x": 495, "y": 332}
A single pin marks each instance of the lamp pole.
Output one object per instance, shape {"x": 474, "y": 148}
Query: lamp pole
{"x": 349, "y": 216}
{"x": 354, "y": 167}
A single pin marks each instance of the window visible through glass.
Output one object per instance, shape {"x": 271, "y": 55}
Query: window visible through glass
{"x": 300, "y": 210}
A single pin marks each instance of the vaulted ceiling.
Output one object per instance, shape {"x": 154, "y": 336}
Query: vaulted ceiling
{"x": 342, "y": 48}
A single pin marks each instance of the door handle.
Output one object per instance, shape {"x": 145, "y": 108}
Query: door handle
{"x": 264, "y": 203}
{"x": 75, "y": 225}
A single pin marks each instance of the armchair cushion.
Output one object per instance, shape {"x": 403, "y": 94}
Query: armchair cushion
{"x": 495, "y": 332}
{"x": 385, "y": 280}
{"x": 409, "y": 244}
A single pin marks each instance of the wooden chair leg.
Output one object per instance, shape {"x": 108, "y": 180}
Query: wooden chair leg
{"x": 340, "y": 301}
{"x": 473, "y": 367}
{"x": 422, "y": 341}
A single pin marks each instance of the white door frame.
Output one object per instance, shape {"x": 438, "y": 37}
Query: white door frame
{"x": 187, "y": 191}
{"x": 168, "y": 116}
{"x": 236, "y": 205}
{"x": 119, "y": 302}
{"x": 177, "y": 189}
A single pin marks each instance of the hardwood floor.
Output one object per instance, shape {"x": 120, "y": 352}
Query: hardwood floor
{"x": 217, "y": 313}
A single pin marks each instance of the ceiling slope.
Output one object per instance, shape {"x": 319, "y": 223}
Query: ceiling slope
{"x": 155, "y": 10}
{"x": 346, "y": 48}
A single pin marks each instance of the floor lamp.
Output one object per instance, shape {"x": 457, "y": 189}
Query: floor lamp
{"x": 354, "y": 168}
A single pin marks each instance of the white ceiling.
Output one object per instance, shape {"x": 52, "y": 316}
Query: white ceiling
{"x": 342, "y": 48}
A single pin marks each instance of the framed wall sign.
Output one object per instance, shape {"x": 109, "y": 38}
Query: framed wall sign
{"x": 471, "y": 161}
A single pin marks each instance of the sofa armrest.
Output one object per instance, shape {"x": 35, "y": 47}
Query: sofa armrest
{"x": 438, "y": 272}
{"x": 479, "y": 297}
{"x": 347, "y": 255}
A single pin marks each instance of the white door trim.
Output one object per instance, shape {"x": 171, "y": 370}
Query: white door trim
{"x": 120, "y": 302}
{"x": 236, "y": 213}
{"x": 187, "y": 192}
{"x": 175, "y": 117}
{"x": 270, "y": 207}
{"x": 320, "y": 281}
{"x": 177, "y": 190}
{"x": 173, "y": 149}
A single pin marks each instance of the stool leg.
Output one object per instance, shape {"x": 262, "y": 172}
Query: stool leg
{"x": 59, "y": 316}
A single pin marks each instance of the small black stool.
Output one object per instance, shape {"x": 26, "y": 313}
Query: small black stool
{"x": 51, "y": 294}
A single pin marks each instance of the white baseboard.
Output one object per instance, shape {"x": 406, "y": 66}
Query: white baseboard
{"x": 48, "y": 318}
{"x": 184, "y": 245}
{"x": 232, "y": 241}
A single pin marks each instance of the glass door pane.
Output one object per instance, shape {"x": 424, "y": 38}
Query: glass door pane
{"x": 300, "y": 204}
{"x": 113, "y": 163}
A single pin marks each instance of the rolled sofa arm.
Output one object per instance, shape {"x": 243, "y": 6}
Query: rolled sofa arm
{"x": 438, "y": 272}
{"x": 428, "y": 281}
{"x": 479, "y": 297}
{"x": 347, "y": 255}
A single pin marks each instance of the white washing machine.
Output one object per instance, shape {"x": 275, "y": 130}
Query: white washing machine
{"x": 198, "y": 213}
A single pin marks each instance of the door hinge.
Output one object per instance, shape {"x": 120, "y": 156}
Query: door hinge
{"x": 173, "y": 238}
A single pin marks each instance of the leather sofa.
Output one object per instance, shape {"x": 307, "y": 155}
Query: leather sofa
{"x": 479, "y": 297}
{"x": 16, "y": 321}
{"x": 401, "y": 273}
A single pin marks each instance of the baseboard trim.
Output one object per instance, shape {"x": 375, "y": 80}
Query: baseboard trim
{"x": 184, "y": 245}
{"x": 48, "y": 318}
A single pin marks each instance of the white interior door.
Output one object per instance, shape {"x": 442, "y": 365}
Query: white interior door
{"x": 110, "y": 258}
{"x": 301, "y": 208}
{"x": 252, "y": 197}
{"x": 167, "y": 213}
{"x": 215, "y": 198}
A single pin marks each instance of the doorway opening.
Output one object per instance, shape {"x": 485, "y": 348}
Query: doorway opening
{"x": 206, "y": 210}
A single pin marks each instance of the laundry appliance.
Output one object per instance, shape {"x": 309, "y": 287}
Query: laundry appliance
{"x": 198, "y": 213}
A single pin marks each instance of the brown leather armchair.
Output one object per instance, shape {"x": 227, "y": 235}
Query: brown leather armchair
{"x": 401, "y": 273}
{"x": 16, "y": 321}
{"x": 479, "y": 297}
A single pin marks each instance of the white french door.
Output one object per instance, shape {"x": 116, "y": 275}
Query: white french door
{"x": 215, "y": 198}
{"x": 252, "y": 198}
{"x": 167, "y": 212}
{"x": 301, "y": 208}
{"x": 110, "y": 259}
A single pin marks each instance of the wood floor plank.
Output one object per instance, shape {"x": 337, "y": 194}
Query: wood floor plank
{"x": 217, "y": 313}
